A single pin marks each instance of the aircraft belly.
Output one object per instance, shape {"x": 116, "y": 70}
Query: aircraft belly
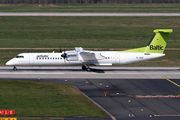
{"x": 73, "y": 63}
{"x": 100, "y": 62}
{"x": 48, "y": 63}
{"x": 129, "y": 58}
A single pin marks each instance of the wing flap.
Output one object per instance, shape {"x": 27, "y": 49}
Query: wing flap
{"x": 88, "y": 56}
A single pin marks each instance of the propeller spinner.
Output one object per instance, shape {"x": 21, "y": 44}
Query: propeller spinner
{"x": 64, "y": 55}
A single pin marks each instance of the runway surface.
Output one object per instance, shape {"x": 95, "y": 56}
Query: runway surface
{"x": 96, "y": 72}
{"x": 121, "y": 94}
{"x": 84, "y": 14}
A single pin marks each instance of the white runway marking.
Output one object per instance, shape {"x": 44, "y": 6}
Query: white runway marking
{"x": 32, "y": 73}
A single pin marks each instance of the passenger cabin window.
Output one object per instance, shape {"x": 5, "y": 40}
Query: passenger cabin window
{"x": 19, "y": 56}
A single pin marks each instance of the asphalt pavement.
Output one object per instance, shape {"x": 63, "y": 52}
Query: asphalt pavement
{"x": 124, "y": 98}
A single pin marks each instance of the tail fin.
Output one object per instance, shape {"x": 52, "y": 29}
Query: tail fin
{"x": 159, "y": 41}
{"x": 157, "y": 44}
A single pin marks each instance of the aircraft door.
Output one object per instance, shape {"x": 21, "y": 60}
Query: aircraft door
{"x": 117, "y": 58}
{"x": 31, "y": 59}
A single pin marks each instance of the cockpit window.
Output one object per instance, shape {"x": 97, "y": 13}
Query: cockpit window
{"x": 19, "y": 56}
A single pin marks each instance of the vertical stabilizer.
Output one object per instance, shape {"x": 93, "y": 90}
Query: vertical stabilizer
{"x": 159, "y": 41}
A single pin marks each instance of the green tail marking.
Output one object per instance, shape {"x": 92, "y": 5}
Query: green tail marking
{"x": 157, "y": 44}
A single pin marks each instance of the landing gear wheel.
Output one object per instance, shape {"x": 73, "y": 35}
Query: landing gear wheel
{"x": 86, "y": 67}
{"x": 83, "y": 67}
{"x": 14, "y": 68}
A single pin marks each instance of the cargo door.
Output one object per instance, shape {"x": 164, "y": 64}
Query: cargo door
{"x": 31, "y": 60}
{"x": 117, "y": 58}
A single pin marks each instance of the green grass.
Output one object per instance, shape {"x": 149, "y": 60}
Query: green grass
{"x": 86, "y": 32}
{"x": 94, "y": 32}
{"x": 35, "y": 99}
{"x": 110, "y": 8}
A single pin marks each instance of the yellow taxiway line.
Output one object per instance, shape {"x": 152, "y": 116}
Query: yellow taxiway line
{"x": 171, "y": 81}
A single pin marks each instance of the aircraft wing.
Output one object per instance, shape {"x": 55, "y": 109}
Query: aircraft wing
{"x": 87, "y": 53}
{"x": 90, "y": 55}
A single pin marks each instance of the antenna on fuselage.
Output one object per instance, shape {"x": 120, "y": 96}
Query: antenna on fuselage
{"x": 60, "y": 50}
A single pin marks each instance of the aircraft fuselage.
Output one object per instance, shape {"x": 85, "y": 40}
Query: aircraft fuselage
{"x": 55, "y": 59}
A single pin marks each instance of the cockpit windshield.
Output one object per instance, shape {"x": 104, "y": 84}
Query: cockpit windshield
{"x": 19, "y": 56}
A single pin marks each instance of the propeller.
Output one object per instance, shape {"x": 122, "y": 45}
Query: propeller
{"x": 64, "y": 55}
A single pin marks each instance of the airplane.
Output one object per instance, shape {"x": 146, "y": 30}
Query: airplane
{"x": 79, "y": 56}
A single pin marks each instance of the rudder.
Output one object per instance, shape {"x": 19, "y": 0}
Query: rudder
{"x": 159, "y": 41}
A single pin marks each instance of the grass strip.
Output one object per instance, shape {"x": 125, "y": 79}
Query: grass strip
{"x": 42, "y": 99}
{"x": 86, "y": 32}
{"x": 100, "y": 8}
{"x": 93, "y": 32}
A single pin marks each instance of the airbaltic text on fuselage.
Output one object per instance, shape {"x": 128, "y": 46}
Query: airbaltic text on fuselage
{"x": 42, "y": 56}
{"x": 72, "y": 55}
{"x": 157, "y": 47}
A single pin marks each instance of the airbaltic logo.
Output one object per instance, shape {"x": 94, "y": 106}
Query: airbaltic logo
{"x": 42, "y": 56}
{"x": 72, "y": 55}
{"x": 157, "y": 47}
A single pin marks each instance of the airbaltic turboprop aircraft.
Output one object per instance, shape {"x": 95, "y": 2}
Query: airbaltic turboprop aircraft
{"x": 79, "y": 56}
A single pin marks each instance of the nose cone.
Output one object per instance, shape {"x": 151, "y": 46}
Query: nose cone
{"x": 10, "y": 62}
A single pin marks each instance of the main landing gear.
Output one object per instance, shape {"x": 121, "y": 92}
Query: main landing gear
{"x": 86, "y": 67}
{"x": 14, "y": 68}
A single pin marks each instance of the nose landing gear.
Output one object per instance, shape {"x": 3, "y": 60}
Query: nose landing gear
{"x": 14, "y": 68}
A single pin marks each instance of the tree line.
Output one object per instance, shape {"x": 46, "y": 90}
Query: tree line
{"x": 85, "y": 1}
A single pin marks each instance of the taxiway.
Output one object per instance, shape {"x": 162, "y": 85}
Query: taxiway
{"x": 124, "y": 92}
{"x": 96, "y": 72}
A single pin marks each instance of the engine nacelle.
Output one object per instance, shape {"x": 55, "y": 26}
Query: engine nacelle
{"x": 72, "y": 56}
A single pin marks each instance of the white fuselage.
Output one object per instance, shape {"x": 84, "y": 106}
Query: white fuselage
{"x": 99, "y": 58}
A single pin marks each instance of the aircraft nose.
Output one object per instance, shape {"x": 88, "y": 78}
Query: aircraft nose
{"x": 10, "y": 62}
